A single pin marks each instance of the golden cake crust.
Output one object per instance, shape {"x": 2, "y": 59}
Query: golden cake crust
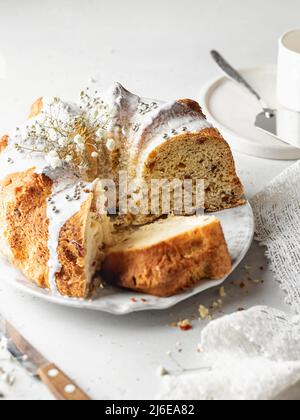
{"x": 193, "y": 105}
{"x": 24, "y": 224}
{"x": 3, "y": 143}
{"x": 171, "y": 266}
{"x": 24, "y": 228}
{"x": 36, "y": 108}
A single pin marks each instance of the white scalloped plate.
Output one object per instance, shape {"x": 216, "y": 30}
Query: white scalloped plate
{"x": 238, "y": 226}
{"x": 236, "y": 118}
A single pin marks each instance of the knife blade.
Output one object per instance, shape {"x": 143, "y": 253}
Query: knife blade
{"x": 62, "y": 387}
{"x": 20, "y": 349}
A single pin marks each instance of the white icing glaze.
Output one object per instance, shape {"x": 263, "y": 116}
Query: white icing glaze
{"x": 12, "y": 162}
{"x": 122, "y": 104}
{"x": 161, "y": 118}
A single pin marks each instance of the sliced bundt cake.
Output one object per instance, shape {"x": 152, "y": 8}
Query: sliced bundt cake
{"x": 54, "y": 224}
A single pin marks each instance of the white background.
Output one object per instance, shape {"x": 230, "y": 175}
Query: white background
{"x": 157, "y": 48}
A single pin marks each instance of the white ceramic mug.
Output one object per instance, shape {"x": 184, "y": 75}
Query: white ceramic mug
{"x": 288, "y": 78}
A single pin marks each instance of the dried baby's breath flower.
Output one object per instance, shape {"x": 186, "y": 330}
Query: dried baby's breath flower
{"x": 100, "y": 133}
{"x": 53, "y": 159}
{"x": 79, "y": 142}
{"x": 110, "y": 144}
{"x": 68, "y": 158}
{"x": 63, "y": 141}
{"x": 67, "y": 134}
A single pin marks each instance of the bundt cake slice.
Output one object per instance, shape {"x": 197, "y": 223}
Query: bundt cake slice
{"x": 54, "y": 233}
{"x": 168, "y": 256}
{"x": 202, "y": 155}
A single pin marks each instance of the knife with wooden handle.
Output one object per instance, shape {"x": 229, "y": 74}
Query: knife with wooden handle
{"x": 62, "y": 387}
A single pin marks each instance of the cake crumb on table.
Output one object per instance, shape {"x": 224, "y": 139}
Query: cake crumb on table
{"x": 222, "y": 292}
{"x": 204, "y": 312}
{"x": 185, "y": 325}
{"x": 256, "y": 281}
{"x": 163, "y": 371}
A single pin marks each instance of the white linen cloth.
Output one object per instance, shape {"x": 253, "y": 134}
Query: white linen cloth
{"x": 255, "y": 354}
{"x": 250, "y": 355}
{"x": 277, "y": 214}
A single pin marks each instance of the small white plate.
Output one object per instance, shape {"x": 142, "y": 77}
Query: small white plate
{"x": 238, "y": 226}
{"x": 233, "y": 111}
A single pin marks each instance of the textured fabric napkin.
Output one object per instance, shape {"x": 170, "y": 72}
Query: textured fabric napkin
{"x": 255, "y": 355}
{"x": 277, "y": 214}
{"x": 251, "y": 355}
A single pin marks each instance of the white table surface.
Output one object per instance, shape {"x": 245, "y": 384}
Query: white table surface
{"x": 156, "y": 48}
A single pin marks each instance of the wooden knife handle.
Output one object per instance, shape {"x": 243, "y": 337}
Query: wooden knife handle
{"x": 60, "y": 385}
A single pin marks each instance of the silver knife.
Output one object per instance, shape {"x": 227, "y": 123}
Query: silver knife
{"x": 283, "y": 124}
{"x": 62, "y": 387}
